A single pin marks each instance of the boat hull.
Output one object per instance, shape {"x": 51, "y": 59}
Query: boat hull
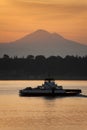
{"x": 66, "y": 93}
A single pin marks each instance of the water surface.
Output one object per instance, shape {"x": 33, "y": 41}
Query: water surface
{"x": 42, "y": 113}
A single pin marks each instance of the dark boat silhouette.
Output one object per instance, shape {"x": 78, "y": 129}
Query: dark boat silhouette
{"x": 49, "y": 88}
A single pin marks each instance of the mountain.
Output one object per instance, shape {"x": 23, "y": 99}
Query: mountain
{"x": 42, "y": 42}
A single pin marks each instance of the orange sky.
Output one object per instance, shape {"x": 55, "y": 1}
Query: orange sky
{"x": 66, "y": 17}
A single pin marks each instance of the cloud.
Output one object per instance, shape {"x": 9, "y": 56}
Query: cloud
{"x": 16, "y": 14}
{"x": 26, "y": 8}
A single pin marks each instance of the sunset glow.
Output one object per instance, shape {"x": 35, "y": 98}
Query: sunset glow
{"x": 66, "y": 17}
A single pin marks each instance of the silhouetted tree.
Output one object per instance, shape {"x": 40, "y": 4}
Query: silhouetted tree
{"x": 30, "y": 57}
{"x": 40, "y": 66}
{"x": 5, "y": 56}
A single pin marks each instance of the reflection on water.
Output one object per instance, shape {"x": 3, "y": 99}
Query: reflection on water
{"x": 42, "y": 113}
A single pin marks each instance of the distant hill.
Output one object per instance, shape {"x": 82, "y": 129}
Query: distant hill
{"x": 44, "y": 43}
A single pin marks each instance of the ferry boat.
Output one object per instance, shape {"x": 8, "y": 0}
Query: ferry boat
{"x": 49, "y": 88}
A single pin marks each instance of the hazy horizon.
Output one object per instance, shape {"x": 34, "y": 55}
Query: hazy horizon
{"x": 27, "y": 34}
{"x": 42, "y": 42}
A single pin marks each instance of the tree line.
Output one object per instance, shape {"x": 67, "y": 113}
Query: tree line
{"x": 40, "y": 67}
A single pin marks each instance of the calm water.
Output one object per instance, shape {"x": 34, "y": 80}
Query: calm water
{"x": 30, "y": 113}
